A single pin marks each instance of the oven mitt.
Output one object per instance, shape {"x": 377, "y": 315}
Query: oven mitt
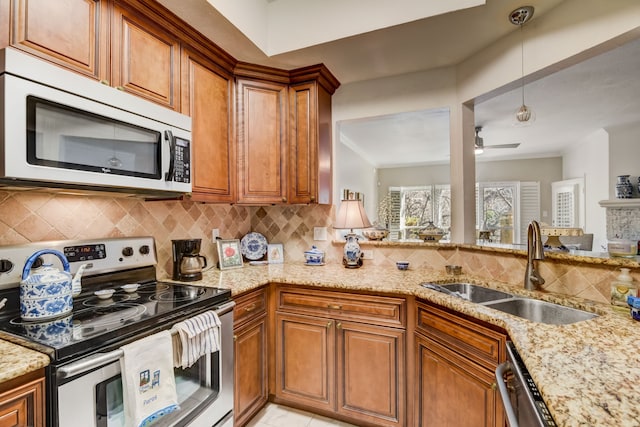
{"x": 148, "y": 381}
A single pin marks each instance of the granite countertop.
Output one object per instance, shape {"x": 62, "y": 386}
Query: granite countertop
{"x": 588, "y": 372}
{"x": 16, "y": 360}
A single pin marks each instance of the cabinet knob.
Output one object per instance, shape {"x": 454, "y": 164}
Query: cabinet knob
{"x": 235, "y": 338}
{"x": 334, "y": 307}
{"x": 120, "y": 88}
{"x": 494, "y": 386}
{"x": 104, "y": 82}
{"x": 339, "y": 325}
{"x": 312, "y": 198}
{"x": 329, "y": 324}
{"x": 284, "y": 200}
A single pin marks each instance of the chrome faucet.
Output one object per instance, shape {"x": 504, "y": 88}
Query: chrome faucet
{"x": 535, "y": 251}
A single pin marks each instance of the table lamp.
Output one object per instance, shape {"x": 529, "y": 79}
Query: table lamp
{"x": 351, "y": 215}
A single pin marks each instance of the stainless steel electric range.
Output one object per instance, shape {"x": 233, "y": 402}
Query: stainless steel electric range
{"x": 83, "y": 380}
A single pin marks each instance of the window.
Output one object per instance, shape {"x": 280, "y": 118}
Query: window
{"x": 504, "y": 208}
{"x": 418, "y": 206}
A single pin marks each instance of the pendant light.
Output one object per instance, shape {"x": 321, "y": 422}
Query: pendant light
{"x": 518, "y": 17}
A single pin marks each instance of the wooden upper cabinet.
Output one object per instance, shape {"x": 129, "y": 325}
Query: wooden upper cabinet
{"x": 70, "y": 33}
{"x": 207, "y": 96}
{"x": 310, "y": 147}
{"x": 146, "y": 58}
{"x": 262, "y": 139}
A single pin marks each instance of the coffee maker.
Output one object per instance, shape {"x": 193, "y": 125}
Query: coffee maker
{"x": 187, "y": 261}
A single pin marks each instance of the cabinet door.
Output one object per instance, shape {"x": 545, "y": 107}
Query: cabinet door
{"x": 303, "y": 144}
{"x": 207, "y": 96}
{"x": 370, "y": 373}
{"x": 453, "y": 391}
{"x": 23, "y": 405}
{"x": 261, "y": 141}
{"x": 305, "y": 360}
{"x": 250, "y": 370}
{"x": 146, "y": 58}
{"x": 71, "y": 33}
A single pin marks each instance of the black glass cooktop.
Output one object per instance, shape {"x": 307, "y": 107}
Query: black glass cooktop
{"x": 97, "y": 323}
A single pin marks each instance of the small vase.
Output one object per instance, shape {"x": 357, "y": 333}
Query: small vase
{"x": 624, "y": 188}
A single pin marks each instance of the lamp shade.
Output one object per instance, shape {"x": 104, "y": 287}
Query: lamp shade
{"x": 351, "y": 215}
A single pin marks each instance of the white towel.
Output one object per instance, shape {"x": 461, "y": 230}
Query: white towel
{"x": 148, "y": 381}
{"x": 196, "y": 337}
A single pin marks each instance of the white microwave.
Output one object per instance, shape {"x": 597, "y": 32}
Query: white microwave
{"x": 61, "y": 130}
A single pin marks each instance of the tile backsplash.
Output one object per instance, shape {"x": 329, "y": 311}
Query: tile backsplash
{"x": 623, "y": 223}
{"x": 27, "y": 216}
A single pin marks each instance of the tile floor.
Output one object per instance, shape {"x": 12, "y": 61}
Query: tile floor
{"x": 274, "y": 415}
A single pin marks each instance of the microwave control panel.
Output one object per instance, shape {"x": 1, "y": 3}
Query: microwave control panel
{"x": 182, "y": 161}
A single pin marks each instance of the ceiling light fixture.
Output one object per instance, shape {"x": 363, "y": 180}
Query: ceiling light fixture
{"x": 518, "y": 17}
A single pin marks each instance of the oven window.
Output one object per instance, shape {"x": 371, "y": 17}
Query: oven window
{"x": 197, "y": 387}
{"x": 63, "y": 137}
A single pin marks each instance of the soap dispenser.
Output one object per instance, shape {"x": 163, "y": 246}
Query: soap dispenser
{"x": 621, "y": 288}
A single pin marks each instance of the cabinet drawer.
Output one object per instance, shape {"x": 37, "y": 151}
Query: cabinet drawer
{"x": 388, "y": 311}
{"x": 249, "y": 306}
{"x": 473, "y": 340}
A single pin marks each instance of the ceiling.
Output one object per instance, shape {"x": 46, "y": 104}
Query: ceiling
{"x": 568, "y": 105}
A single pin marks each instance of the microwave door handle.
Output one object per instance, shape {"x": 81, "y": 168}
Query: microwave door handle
{"x": 501, "y": 370}
{"x": 168, "y": 135}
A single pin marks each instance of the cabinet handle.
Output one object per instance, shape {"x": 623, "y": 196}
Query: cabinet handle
{"x": 250, "y": 307}
{"x": 284, "y": 200}
{"x": 329, "y": 324}
{"x": 334, "y": 307}
{"x": 105, "y": 82}
{"x": 235, "y": 338}
{"x": 312, "y": 198}
{"x": 494, "y": 386}
{"x": 339, "y": 325}
{"x": 120, "y": 88}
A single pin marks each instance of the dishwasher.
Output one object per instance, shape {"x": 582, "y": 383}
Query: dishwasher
{"x": 522, "y": 401}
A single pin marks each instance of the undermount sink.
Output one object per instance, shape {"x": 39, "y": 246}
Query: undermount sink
{"x": 541, "y": 311}
{"x": 469, "y": 292}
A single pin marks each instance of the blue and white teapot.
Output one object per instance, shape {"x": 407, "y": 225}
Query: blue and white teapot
{"x": 47, "y": 292}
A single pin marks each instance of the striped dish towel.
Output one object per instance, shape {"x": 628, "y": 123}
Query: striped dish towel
{"x": 194, "y": 338}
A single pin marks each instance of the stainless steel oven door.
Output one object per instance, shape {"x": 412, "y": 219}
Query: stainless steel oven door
{"x": 93, "y": 395}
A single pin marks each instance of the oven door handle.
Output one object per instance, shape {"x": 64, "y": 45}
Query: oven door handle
{"x": 90, "y": 363}
{"x": 501, "y": 370}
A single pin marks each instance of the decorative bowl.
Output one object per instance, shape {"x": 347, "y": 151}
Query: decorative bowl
{"x": 104, "y": 293}
{"x": 314, "y": 256}
{"x": 375, "y": 234}
{"x": 402, "y": 265}
{"x": 431, "y": 233}
{"x": 130, "y": 287}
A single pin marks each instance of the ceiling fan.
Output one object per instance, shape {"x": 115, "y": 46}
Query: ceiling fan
{"x": 479, "y": 143}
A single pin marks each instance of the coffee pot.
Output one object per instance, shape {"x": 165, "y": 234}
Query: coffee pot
{"x": 187, "y": 261}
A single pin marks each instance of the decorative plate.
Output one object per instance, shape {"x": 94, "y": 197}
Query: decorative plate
{"x": 253, "y": 246}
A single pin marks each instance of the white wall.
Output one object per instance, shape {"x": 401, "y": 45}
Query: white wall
{"x": 589, "y": 159}
{"x": 572, "y": 31}
{"x": 624, "y": 155}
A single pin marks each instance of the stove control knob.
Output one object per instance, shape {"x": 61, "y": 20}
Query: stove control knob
{"x": 144, "y": 249}
{"x": 127, "y": 251}
{"x": 5, "y": 265}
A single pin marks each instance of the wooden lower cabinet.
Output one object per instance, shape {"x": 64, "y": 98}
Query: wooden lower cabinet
{"x": 451, "y": 390}
{"x": 22, "y": 401}
{"x": 370, "y": 373}
{"x": 455, "y": 361}
{"x": 251, "y": 357}
{"x": 338, "y": 366}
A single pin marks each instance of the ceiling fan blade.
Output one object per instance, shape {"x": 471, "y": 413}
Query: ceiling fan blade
{"x": 514, "y": 145}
